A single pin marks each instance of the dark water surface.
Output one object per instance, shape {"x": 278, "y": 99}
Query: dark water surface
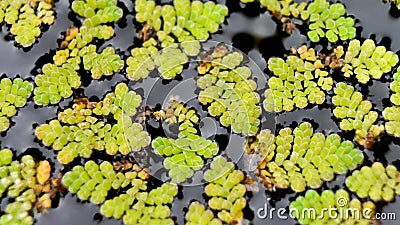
{"x": 248, "y": 28}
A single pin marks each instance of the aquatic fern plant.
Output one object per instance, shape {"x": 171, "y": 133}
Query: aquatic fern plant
{"x": 228, "y": 91}
{"x": 185, "y": 155}
{"x": 185, "y": 22}
{"x": 324, "y": 19}
{"x": 376, "y": 182}
{"x": 226, "y": 190}
{"x": 199, "y": 215}
{"x": 315, "y": 208}
{"x": 13, "y": 95}
{"x": 134, "y": 203}
{"x": 391, "y": 114}
{"x": 106, "y": 63}
{"x": 85, "y": 127}
{"x": 26, "y": 18}
{"x": 300, "y": 158}
{"x": 355, "y": 113}
{"x": 59, "y": 78}
{"x": 27, "y": 183}
{"x": 297, "y": 81}
{"x": 366, "y": 60}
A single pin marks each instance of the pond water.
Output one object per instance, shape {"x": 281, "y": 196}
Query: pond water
{"x": 248, "y": 28}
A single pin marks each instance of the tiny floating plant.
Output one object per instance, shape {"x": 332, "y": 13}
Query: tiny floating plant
{"x": 28, "y": 183}
{"x": 226, "y": 190}
{"x": 137, "y": 204}
{"x": 377, "y": 182}
{"x": 199, "y": 215}
{"x": 347, "y": 211}
{"x": 185, "y": 155}
{"x": 355, "y": 114}
{"x": 300, "y": 158}
{"x": 13, "y": 95}
{"x": 324, "y": 19}
{"x": 228, "y": 91}
{"x": 391, "y": 114}
{"x": 297, "y": 81}
{"x": 60, "y": 78}
{"x": 84, "y": 127}
{"x": 26, "y": 18}
{"x": 185, "y": 22}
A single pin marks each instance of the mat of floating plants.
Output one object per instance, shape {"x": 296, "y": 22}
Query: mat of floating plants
{"x": 199, "y": 112}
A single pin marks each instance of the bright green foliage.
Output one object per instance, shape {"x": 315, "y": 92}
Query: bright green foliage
{"x": 59, "y": 79}
{"x": 18, "y": 182}
{"x": 136, "y": 205}
{"x": 86, "y": 127}
{"x": 392, "y": 114}
{"x": 314, "y": 208}
{"x": 226, "y": 190}
{"x": 355, "y": 113}
{"x": 141, "y": 61}
{"x": 151, "y": 207}
{"x": 198, "y": 215}
{"x": 55, "y": 83}
{"x": 170, "y": 62}
{"x": 328, "y": 20}
{"x": 106, "y": 63}
{"x": 93, "y": 182}
{"x": 302, "y": 158}
{"x": 367, "y": 61}
{"x": 13, "y": 94}
{"x": 26, "y": 18}
{"x": 186, "y": 154}
{"x": 376, "y": 182}
{"x": 298, "y": 81}
{"x": 229, "y": 92}
{"x": 324, "y": 20}
{"x": 185, "y": 22}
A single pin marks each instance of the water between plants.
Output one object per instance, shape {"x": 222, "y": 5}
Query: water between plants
{"x": 249, "y": 29}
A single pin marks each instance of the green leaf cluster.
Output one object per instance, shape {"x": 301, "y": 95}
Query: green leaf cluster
{"x": 354, "y": 112}
{"x": 376, "y": 182}
{"x": 55, "y": 83}
{"x": 134, "y": 202}
{"x": 229, "y": 92}
{"x": 391, "y": 114}
{"x": 185, "y": 22}
{"x": 324, "y": 20}
{"x": 13, "y": 94}
{"x": 366, "y": 61}
{"x": 313, "y": 208}
{"x": 18, "y": 182}
{"x": 26, "y": 18}
{"x": 93, "y": 182}
{"x": 297, "y": 81}
{"x": 199, "y": 215}
{"x": 226, "y": 190}
{"x": 85, "y": 127}
{"x": 106, "y": 63}
{"x": 301, "y": 158}
{"x": 60, "y": 78}
{"x": 185, "y": 155}
{"x": 170, "y": 61}
{"x": 328, "y": 20}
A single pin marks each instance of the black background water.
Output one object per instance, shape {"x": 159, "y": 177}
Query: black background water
{"x": 249, "y": 29}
